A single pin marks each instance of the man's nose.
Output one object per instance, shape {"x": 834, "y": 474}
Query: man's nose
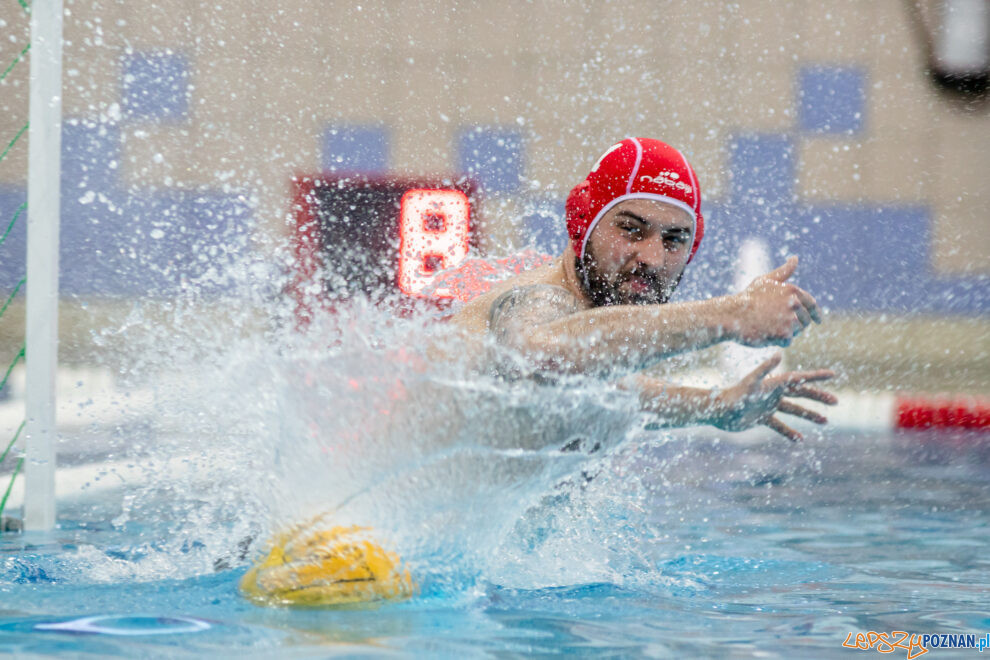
{"x": 652, "y": 252}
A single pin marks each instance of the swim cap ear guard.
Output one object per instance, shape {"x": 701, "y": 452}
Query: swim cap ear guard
{"x": 635, "y": 168}
{"x": 578, "y": 208}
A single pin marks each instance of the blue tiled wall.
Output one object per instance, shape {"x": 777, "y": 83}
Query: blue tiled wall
{"x": 127, "y": 242}
{"x": 831, "y": 99}
{"x": 544, "y": 225}
{"x": 493, "y": 156}
{"x": 355, "y": 149}
{"x": 155, "y": 86}
{"x": 762, "y": 169}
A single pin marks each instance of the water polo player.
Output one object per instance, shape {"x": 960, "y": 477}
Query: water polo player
{"x": 602, "y": 307}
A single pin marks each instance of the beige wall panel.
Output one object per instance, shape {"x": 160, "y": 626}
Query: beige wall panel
{"x": 899, "y": 94}
{"x": 560, "y": 27}
{"x": 13, "y": 117}
{"x": 226, "y": 89}
{"x": 343, "y": 28}
{"x": 161, "y": 23}
{"x": 684, "y": 104}
{"x": 765, "y": 96}
{"x": 631, "y": 33}
{"x": 962, "y": 197}
{"x": 832, "y": 169}
{"x": 353, "y": 88}
{"x": 15, "y": 31}
{"x": 419, "y": 87}
{"x": 764, "y": 34}
{"x": 14, "y": 36}
{"x": 287, "y": 91}
{"x": 693, "y": 29}
{"x": 345, "y": 88}
{"x": 292, "y": 28}
{"x": 492, "y": 89}
{"x": 487, "y": 27}
{"x": 225, "y": 30}
{"x": 899, "y": 100}
{"x": 188, "y": 157}
{"x": 836, "y": 31}
{"x": 94, "y": 25}
{"x": 91, "y": 81}
{"x": 895, "y": 41}
{"x": 558, "y": 157}
{"x": 421, "y": 25}
{"x": 556, "y": 88}
{"x": 900, "y": 167}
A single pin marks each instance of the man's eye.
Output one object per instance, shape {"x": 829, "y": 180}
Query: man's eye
{"x": 632, "y": 231}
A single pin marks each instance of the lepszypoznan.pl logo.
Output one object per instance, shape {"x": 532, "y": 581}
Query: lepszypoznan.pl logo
{"x": 914, "y": 645}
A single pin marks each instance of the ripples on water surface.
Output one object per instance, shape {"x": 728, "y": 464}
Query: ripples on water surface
{"x": 681, "y": 546}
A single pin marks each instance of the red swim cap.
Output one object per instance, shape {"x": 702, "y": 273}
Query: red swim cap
{"x": 636, "y": 168}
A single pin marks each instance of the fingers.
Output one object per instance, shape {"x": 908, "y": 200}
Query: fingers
{"x": 765, "y": 368}
{"x": 809, "y": 303}
{"x": 784, "y": 429}
{"x": 795, "y": 378}
{"x": 803, "y": 317}
{"x": 814, "y": 394}
{"x": 783, "y": 272}
{"x": 798, "y": 411}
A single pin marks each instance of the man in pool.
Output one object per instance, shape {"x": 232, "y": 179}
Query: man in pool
{"x": 602, "y": 307}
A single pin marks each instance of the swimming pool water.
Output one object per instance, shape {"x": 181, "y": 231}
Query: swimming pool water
{"x": 721, "y": 549}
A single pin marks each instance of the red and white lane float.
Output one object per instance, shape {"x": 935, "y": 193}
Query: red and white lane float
{"x": 896, "y": 411}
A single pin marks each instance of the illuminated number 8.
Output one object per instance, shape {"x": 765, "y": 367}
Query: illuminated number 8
{"x": 434, "y": 226}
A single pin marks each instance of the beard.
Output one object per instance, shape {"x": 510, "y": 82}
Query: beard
{"x": 607, "y": 289}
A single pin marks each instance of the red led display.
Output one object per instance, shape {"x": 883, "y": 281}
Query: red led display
{"x": 434, "y": 228}
{"x": 360, "y": 235}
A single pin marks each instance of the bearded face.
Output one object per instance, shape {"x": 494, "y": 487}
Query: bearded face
{"x": 637, "y": 284}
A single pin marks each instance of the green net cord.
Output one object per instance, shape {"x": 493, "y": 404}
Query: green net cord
{"x": 10, "y": 486}
{"x": 17, "y": 59}
{"x": 11, "y": 298}
{"x": 13, "y": 222}
{"x": 14, "y": 141}
{"x": 17, "y": 357}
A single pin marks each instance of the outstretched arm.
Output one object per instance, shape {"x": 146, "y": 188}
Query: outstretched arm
{"x": 755, "y": 400}
{"x": 546, "y": 324}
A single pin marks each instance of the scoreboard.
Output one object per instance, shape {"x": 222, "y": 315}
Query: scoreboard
{"x": 360, "y": 235}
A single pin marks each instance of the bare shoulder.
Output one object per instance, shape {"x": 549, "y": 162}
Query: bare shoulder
{"x": 474, "y": 316}
{"x": 530, "y": 305}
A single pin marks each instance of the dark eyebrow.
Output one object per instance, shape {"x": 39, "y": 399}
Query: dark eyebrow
{"x": 632, "y": 216}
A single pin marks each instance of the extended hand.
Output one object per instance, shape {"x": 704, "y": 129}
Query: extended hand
{"x": 757, "y": 398}
{"x": 771, "y": 312}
